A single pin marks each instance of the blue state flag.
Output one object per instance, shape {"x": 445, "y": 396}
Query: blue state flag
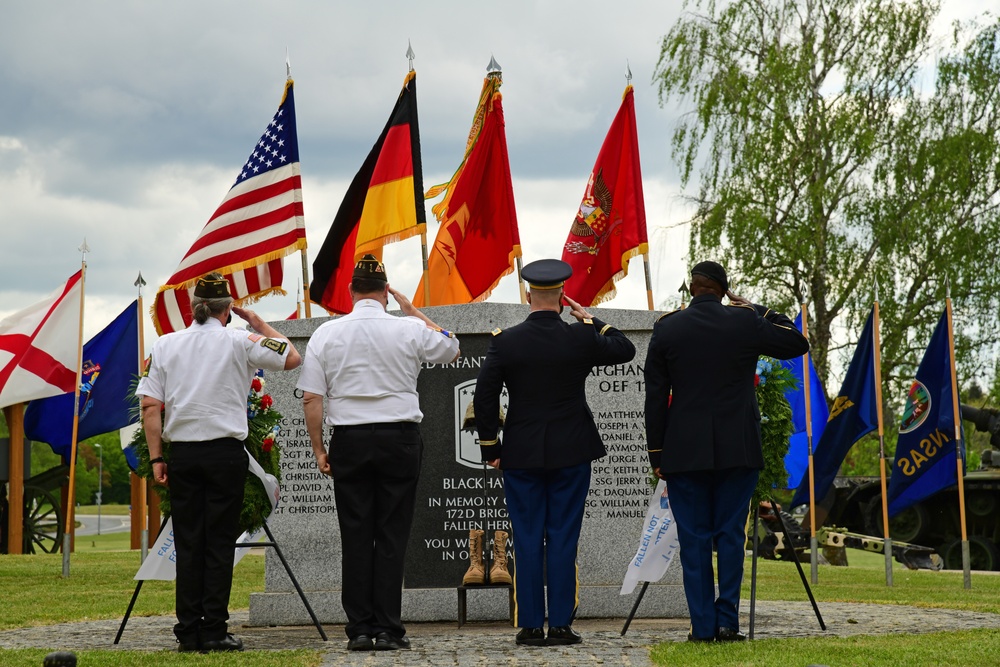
{"x": 110, "y": 363}
{"x": 853, "y": 415}
{"x": 925, "y": 451}
{"x": 797, "y": 458}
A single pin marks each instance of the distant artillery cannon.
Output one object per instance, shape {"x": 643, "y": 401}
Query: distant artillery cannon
{"x": 44, "y": 521}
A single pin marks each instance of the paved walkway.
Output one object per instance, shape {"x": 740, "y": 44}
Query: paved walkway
{"x": 442, "y": 645}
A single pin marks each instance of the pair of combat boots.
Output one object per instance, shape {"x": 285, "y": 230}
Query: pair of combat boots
{"x": 476, "y": 574}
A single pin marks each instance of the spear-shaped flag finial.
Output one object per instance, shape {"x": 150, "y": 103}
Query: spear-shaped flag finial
{"x": 84, "y": 248}
{"x": 288, "y": 64}
{"x": 140, "y": 282}
{"x": 628, "y": 73}
{"x": 410, "y": 55}
{"x": 493, "y": 69}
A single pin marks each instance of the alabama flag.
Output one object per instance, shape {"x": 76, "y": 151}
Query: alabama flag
{"x": 39, "y": 346}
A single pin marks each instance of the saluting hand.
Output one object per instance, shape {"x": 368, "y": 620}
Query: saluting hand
{"x": 576, "y": 310}
{"x": 404, "y": 303}
{"x": 252, "y": 318}
{"x": 737, "y": 300}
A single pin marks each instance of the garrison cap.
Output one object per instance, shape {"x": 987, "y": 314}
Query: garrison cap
{"x": 546, "y": 273}
{"x": 368, "y": 267}
{"x": 712, "y": 271}
{"x": 210, "y": 288}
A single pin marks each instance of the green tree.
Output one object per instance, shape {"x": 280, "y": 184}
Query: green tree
{"x": 823, "y": 166}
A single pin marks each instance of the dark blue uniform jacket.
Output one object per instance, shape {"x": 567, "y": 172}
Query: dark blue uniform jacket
{"x": 544, "y": 361}
{"x": 707, "y": 355}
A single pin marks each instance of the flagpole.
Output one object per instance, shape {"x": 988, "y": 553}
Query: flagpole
{"x": 70, "y": 504}
{"x": 886, "y": 538}
{"x": 806, "y": 382}
{"x": 520, "y": 280}
{"x": 140, "y": 482}
{"x": 427, "y": 274}
{"x": 649, "y": 284}
{"x": 966, "y": 573}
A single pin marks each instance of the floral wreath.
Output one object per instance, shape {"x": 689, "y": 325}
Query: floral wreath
{"x": 772, "y": 380}
{"x": 262, "y": 444}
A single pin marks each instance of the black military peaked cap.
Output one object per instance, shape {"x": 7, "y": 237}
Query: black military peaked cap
{"x": 546, "y": 273}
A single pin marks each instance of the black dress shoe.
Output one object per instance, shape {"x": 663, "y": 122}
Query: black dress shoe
{"x": 386, "y": 642}
{"x": 530, "y": 637}
{"x": 730, "y": 635}
{"x": 692, "y": 638}
{"x": 188, "y": 646}
{"x": 361, "y": 643}
{"x": 227, "y": 643}
{"x": 563, "y": 635}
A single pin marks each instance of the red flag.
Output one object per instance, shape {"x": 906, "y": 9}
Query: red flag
{"x": 478, "y": 239}
{"x": 39, "y": 346}
{"x": 258, "y": 223}
{"x": 383, "y": 204}
{"x": 610, "y": 225}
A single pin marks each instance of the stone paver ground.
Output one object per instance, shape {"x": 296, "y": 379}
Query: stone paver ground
{"x": 444, "y": 645}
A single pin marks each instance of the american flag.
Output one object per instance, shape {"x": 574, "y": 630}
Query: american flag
{"x": 258, "y": 223}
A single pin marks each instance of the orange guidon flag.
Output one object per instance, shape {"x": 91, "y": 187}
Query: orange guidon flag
{"x": 610, "y": 225}
{"x": 477, "y": 241}
{"x": 383, "y": 204}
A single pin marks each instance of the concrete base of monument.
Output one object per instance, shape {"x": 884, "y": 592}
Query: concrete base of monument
{"x": 490, "y": 604}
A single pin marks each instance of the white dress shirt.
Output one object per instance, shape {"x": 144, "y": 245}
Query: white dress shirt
{"x": 202, "y": 374}
{"x": 366, "y": 364}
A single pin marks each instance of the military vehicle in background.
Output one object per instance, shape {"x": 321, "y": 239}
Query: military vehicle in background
{"x": 855, "y": 504}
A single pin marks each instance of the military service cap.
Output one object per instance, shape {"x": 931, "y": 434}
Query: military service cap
{"x": 547, "y": 273}
{"x": 210, "y": 288}
{"x": 712, "y": 271}
{"x": 368, "y": 267}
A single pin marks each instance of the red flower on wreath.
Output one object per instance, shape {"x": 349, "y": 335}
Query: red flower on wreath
{"x": 267, "y": 444}
{"x": 266, "y": 401}
{"x": 256, "y": 385}
{"x": 756, "y": 380}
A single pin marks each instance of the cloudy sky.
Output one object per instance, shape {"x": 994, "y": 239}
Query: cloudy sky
{"x": 126, "y": 123}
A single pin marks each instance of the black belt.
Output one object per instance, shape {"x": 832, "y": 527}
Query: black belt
{"x": 382, "y": 426}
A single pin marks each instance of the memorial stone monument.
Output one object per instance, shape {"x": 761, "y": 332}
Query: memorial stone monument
{"x": 455, "y": 494}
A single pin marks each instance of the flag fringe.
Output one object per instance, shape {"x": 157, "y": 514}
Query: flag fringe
{"x": 379, "y": 243}
{"x": 242, "y": 266}
{"x": 608, "y": 291}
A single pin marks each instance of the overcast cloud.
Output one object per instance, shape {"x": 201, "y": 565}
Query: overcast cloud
{"x": 127, "y": 122}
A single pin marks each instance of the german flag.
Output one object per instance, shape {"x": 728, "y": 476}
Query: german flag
{"x": 383, "y": 204}
{"x": 478, "y": 239}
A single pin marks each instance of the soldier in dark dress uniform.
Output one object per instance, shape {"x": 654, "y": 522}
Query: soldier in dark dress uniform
{"x": 549, "y": 442}
{"x": 705, "y": 442}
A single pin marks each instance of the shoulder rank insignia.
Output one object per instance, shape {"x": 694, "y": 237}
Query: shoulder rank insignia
{"x": 497, "y": 331}
{"x": 587, "y": 320}
{"x": 444, "y": 332}
{"x": 278, "y": 346}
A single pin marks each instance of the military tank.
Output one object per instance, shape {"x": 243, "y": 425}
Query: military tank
{"x": 856, "y": 504}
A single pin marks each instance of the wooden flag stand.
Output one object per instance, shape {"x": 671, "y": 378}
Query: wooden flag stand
{"x": 272, "y": 543}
